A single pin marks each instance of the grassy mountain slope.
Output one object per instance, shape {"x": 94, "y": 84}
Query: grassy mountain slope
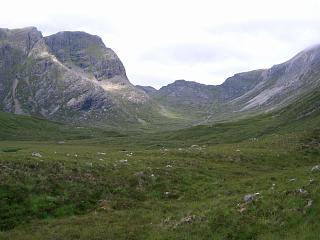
{"x": 26, "y": 128}
{"x": 186, "y": 184}
{"x": 299, "y": 116}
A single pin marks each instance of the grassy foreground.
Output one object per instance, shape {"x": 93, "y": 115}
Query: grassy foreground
{"x": 186, "y": 184}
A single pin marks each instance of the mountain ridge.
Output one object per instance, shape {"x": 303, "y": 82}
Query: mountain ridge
{"x": 73, "y": 77}
{"x": 249, "y": 92}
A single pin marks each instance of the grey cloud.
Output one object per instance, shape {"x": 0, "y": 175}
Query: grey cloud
{"x": 194, "y": 53}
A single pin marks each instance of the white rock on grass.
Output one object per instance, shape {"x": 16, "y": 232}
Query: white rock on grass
{"x": 301, "y": 191}
{"x": 36, "y": 154}
{"x": 123, "y": 161}
{"x": 315, "y": 168}
{"x": 309, "y": 204}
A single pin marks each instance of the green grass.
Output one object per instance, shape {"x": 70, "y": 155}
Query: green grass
{"x": 184, "y": 184}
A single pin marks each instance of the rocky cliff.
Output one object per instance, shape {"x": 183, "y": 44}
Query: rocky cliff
{"x": 68, "y": 76}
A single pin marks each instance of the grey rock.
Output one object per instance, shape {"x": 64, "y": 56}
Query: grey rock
{"x": 301, "y": 191}
{"x": 315, "y": 168}
{"x": 250, "y": 197}
{"x": 36, "y": 154}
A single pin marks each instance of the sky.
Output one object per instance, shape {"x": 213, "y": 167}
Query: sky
{"x": 162, "y": 41}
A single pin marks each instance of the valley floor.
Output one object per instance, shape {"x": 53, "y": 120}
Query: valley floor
{"x": 159, "y": 187}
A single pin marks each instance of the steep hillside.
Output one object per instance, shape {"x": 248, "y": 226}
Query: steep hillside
{"x": 299, "y": 116}
{"x": 69, "y": 77}
{"x": 245, "y": 93}
{"x": 284, "y": 82}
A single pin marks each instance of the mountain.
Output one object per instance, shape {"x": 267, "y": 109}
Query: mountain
{"x": 147, "y": 89}
{"x": 68, "y": 76}
{"x": 245, "y": 93}
{"x": 73, "y": 77}
{"x": 283, "y": 83}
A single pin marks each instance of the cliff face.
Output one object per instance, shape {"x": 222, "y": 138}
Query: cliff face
{"x": 87, "y": 52}
{"x": 68, "y": 76}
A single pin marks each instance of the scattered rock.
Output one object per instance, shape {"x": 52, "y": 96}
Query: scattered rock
{"x": 309, "y": 204}
{"x": 292, "y": 180}
{"x": 241, "y": 210}
{"x": 104, "y": 204}
{"x": 101, "y": 153}
{"x": 123, "y": 161}
{"x": 315, "y": 168}
{"x": 301, "y": 191}
{"x": 36, "y": 154}
{"x": 169, "y": 166}
{"x": 238, "y": 150}
{"x": 188, "y": 219}
{"x": 250, "y": 197}
{"x": 61, "y": 142}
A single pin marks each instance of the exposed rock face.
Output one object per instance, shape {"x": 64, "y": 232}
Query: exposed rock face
{"x": 284, "y": 82}
{"x": 248, "y": 92}
{"x": 147, "y": 89}
{"x": 87, "y": 52}
{"x": 14, "y": 48}
{"x": 240, "y": 84}
{"x": 68, "y": 76}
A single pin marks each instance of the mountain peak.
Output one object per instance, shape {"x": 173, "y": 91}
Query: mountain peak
{"x": 87, "y": 52}
{"x": 21, "y": 38}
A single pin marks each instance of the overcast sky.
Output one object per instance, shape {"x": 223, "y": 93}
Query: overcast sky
{"x": 165, "y": 40}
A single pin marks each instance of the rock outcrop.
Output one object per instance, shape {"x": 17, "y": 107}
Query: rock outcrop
{"x": 68, "y": 76}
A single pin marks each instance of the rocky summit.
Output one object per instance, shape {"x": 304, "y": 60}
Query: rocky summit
{"x": 68, "y": 76}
